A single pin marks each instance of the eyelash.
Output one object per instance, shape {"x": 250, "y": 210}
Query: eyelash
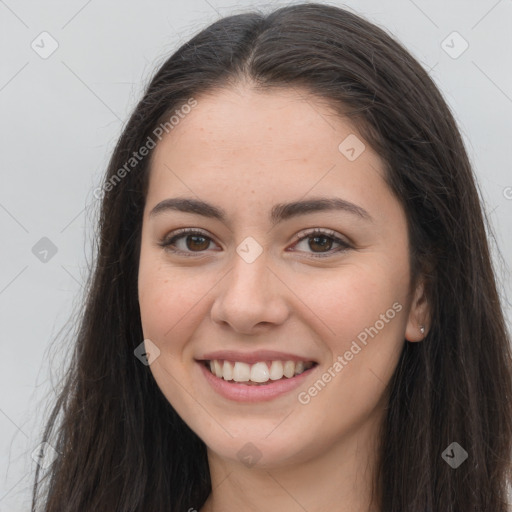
{"x": 167, "y": 243}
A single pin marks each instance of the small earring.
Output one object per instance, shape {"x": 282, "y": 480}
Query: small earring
{"x": 422, "y": 329}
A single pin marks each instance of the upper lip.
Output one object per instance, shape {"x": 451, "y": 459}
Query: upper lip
{"x": 252, "y": 357}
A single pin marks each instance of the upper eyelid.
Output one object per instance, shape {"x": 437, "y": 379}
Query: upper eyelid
{"x": 298, "y": 237}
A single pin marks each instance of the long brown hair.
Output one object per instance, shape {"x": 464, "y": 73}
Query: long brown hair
{"x": 123, "y": 447}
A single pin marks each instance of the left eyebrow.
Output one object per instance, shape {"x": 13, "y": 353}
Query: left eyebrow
{"x": 279, "y": 212}
{"x": 285, "y": 211}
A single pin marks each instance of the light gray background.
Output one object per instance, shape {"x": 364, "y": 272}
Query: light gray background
{"x": 60, "y": 118}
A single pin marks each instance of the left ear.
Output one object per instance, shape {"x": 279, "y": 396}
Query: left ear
{"x": 419, "y": 315}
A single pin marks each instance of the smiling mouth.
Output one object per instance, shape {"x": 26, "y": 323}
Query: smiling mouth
{"x": 258, "y": 374}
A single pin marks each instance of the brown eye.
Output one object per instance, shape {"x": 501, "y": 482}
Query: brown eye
{"x": 320, "y": 243}
{"x": 186, "y": 241}
{"x": 197, "y": 242}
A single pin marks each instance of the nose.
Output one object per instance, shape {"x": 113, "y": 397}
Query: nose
{"x": 250, "y": 297}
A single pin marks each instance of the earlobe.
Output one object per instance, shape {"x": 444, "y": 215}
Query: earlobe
{"x": 419, "y": 316}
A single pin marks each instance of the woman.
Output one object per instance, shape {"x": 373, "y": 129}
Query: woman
{"x": 293, "y": 305}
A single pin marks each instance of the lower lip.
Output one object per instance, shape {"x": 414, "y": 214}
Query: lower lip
{"x": 240, "y": 392}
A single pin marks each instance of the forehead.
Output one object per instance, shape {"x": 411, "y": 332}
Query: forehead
{"x": 246, "y": 150}
{"x": 288, "y": 121}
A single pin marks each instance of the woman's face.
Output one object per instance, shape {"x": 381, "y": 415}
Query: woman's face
{"x": 259, "y": 289}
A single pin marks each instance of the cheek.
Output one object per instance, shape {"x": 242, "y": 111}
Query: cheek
{"x": 170, "y": 308}
{"x": 363, "y": 351}
{"x": 352, "y": 298}
{"x": 364, "y": 309}
{"x": 167, "y": 297}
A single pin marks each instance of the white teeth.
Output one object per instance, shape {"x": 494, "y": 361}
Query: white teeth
{"x": 299, "y": 368}
{"x": 258, "y": 372}
{"x": 289, "y": 369}
{"x": 227, "y": 371}
{"x": 218, "y": 368}
{"x": 241, "y": 372}
{"x": 276, "y": 370}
